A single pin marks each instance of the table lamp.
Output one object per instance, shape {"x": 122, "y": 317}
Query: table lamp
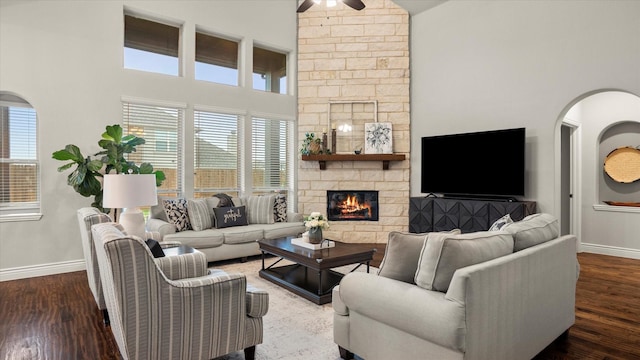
{"x": 129, "y": 191}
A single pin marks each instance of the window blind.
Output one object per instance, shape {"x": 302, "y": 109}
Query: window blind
{"x": 272, "y": 162}
{"x": 19, "y": 168}
{"x": 161, "y": 127}
{"x": 146, "y": 35}
{"x": 216, "y": 160}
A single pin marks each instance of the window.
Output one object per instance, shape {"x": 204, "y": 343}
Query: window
{"x": 216, "y": 161}
{"x": 216, "y": 59}
{"x": 19, "y": 168}
{"x": 269, "y": 71}
{"x": 272, "y": 154}
{"x": 151, "y": 46}
{"x": 160, "y": 126}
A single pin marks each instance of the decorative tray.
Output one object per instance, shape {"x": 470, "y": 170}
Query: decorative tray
{"x": 618, "y": 203}
{"x": 305, "y": 244}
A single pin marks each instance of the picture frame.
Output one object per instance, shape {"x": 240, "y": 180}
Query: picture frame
{"x": 378, "y": 138}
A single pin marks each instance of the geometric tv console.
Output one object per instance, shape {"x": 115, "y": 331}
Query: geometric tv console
{"x": 428, "y": 214}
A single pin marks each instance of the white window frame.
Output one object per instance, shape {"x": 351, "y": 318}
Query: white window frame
{"x": 24, "y": 211}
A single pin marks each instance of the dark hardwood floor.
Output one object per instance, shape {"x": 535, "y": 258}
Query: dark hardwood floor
{"x": 55, "y": 317}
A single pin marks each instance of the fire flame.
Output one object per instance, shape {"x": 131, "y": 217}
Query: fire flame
{"x": 351, "y": 205}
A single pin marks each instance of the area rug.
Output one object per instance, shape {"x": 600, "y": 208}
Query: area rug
{"x": 294, "y": 328}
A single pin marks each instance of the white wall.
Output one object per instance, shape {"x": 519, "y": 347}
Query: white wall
{"x": 65, "y": 58}
{"x": 483, "y": 65}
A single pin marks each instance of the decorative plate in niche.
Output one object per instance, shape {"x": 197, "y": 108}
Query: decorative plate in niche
{"x": 623, "y": 164}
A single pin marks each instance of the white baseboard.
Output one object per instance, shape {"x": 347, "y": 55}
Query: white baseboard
{"x": 24, "y": 272}
{"x": 610, "y": 250}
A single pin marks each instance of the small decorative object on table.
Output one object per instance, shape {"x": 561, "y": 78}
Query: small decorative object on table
{"x": 315, "y": 223}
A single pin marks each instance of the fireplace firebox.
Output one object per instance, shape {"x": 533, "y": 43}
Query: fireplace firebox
{"x": 352, "y": 205}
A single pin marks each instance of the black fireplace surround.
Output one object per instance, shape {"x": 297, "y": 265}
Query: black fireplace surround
{"x": 352, "y": 205}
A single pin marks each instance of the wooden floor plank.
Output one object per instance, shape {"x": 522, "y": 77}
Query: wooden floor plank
{"x": 55, "y": 317}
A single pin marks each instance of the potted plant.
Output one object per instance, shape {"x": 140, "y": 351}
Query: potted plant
{"x": 85, "y": 177}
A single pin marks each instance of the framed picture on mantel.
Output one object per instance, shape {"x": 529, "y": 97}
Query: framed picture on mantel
{"x": 378, "y": 138}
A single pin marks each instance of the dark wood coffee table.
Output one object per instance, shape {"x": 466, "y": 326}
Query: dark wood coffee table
{"x": 311, "y": 276}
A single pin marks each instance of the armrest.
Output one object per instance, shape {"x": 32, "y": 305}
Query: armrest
{"x": 161, "y": 226}
{"x": 399, "y": 304}
{"x": 294, "y": 217}
{"x": 257, "y": 302}
{"x": 183, "y": 266}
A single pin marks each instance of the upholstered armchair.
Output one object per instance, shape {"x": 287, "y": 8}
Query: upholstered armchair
{"x": 156, "y": 317}
{"x": 87, "y": 217}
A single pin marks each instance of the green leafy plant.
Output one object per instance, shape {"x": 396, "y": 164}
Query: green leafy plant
{"x": 85, "y": 177}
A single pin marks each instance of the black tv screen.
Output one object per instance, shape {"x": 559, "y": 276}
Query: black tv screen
{"x": 479, "y": 164}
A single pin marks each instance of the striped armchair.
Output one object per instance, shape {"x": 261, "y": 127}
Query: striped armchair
{"x": 155, "y": 317}
{"x": 87, "y": 217}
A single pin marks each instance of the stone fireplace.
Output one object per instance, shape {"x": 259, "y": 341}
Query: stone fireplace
{"x": 352, "y": 205}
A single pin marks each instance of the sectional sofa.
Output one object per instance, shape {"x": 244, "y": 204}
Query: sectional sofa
{"x": 503, "y": 294}
{"x": 222, "y": 227}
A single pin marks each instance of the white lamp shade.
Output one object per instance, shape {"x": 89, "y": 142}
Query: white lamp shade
{"x": 129, "y": 191}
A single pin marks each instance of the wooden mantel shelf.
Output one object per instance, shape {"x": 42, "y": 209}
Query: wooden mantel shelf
{"x": 385, "y": 158}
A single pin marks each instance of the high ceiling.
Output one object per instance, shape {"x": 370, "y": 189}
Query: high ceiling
{"x": 417, "y": 6}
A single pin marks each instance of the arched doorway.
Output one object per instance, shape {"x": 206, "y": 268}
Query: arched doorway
{"x": 579, "y": 176}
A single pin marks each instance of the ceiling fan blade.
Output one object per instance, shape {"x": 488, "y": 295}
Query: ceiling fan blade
{"x": 354, "y": 4}
{"x": 304, "y": 6}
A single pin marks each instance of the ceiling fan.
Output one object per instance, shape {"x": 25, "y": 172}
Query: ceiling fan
{"x": 354, "y": 4}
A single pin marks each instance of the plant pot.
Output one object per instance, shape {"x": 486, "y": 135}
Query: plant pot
{"x": 315, "y": 235}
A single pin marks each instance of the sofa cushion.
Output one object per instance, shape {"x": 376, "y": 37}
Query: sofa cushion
{"x": 199, "y": 215}
{"x": 260, "y": 209}
{"x": 283, "y": 229}
{"x": 242, "y": 234}
{"x": 533, "y": 230}
{"x": 500, "y": 223}
{"x": 177, "y": 214}
{"x": 197, "y": 239}
{"x": 230, "y": 216}
{"x": 280, "y": 208}
{"x": 442, "y": 254}
{"x": 401, "y": 255}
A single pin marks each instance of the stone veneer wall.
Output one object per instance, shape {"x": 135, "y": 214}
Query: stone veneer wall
{"x": 349, "y": 55}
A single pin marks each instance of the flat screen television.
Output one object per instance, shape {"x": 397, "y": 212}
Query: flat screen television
{"x": 488, "y": 164}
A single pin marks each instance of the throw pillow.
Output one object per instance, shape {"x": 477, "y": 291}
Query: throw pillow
{"x": 157, "y": 211}
{"x": 225, "y": 200}
{"x": 199, "y": 215}
{"x": 280, "y": 208}
{"x": 260, "y": 209}
{"x": 443, "y": 254}
{"x": 401, "y": 255}
{"x": 230, "y": 216}
{"x": 500, "y": 223}
{"x": 176, "y": 211}
{"x": 533, "y": 230}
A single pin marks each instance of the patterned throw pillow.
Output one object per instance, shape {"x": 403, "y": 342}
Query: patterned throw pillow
{"x": 177, "y": 214}
{"x": 199, "y": 215}
{"x": 230, "y": 216}
{"x": 500, "y": 223}
{"x": 260, "y": 209}
{"x": 280, "y": 208}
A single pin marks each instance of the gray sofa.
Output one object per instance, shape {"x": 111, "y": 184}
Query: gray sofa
{"x": 503, "y": 294}
{"x": 267, "y": 219}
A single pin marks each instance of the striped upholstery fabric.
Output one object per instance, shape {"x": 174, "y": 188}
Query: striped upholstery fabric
{"x": 87, "y": 217}
{"x": 154, "y": 317}
{"x": 183, "y": 266}
{"x": 260, "y": 209}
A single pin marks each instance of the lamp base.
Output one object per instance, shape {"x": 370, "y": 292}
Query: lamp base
{"x": 132, "y": 220}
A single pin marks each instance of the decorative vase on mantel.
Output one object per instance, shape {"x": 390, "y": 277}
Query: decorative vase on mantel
{"x": 315, "y": 235}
